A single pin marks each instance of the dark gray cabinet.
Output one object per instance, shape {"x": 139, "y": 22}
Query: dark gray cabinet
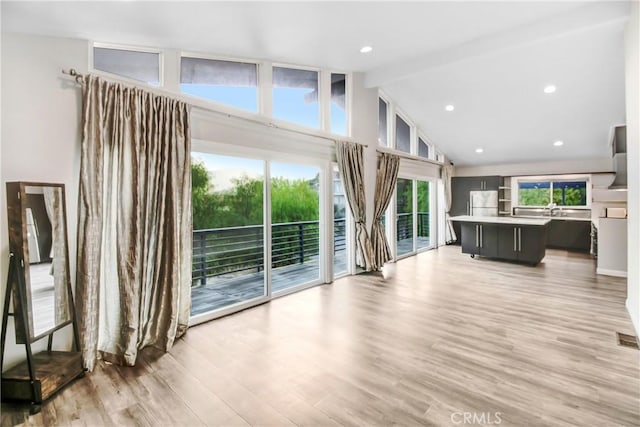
{"x": 523, "y": 243}
{"x": 460, "y": 188}
{"x": 479, "y": 239}
{"x": 570, "y": 234}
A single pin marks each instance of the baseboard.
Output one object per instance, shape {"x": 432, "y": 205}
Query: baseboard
{"x": 633, "y": 316}
{"x": 607, "y": 272}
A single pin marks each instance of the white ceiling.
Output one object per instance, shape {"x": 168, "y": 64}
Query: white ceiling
{"x": 490, "y": 59}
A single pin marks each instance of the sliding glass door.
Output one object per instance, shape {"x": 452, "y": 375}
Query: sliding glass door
{"x": 254, "y": 238}
{"x": 404, "y": 216}
{"x": 423, "y": 216}
{"x": 340, "y": 235}
{"x": 228, "y": 232}
{"x": 413, "y": 209}
{"x": 295, "y": 226}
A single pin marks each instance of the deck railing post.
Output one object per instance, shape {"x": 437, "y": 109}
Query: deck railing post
{"x": 203, "y": 258}
{"x": 301, "y": 242}
{"x": 258, "y": 231}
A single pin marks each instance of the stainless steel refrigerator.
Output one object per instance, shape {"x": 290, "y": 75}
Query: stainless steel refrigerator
{"x": 483, "y": 203}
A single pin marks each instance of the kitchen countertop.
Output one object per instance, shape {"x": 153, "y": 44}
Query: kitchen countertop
{"x": 554, "y": 218}
{"x": 502, "y": 220}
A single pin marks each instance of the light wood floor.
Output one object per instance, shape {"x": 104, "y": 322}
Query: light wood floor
{"x": 441, "y": 335}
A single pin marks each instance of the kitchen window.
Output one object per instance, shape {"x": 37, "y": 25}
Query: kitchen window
{"x": 561, "y": 192}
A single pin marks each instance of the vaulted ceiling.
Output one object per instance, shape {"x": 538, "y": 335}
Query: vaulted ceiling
{"x": 491, "y": 60}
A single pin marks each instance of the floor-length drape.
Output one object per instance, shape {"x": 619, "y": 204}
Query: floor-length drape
{"x": 134, "y": 222}
{"x": 449, "y": 233}
{"x": 386, "y": 179}
{"x": 351, "y": 167}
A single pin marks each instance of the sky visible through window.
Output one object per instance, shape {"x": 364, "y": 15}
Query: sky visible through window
{"x": 289, "y": 103}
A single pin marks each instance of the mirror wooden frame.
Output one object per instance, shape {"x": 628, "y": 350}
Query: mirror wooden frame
{"x": 43, "y": 374}
{"x": 18, "y": 245}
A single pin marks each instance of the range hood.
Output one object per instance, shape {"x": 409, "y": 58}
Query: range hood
{"x": 619, "y": 158}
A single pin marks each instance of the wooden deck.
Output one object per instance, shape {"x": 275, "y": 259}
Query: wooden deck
{"x": 227, "y": 290}
{"x": 224, "y": 291}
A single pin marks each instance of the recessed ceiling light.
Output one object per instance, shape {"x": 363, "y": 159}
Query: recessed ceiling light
{"x": 449, "y": 107}
{"x": 549, "y": 89}
{"x": 366, "y": 49}
{"x": 479, "y": 150}
{"x": 558, "y": 143}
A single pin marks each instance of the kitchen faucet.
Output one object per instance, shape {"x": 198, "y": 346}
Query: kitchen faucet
{"x": 552, "y": 206}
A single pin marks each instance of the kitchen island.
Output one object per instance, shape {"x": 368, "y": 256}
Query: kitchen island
{"x": 508, "y": 238}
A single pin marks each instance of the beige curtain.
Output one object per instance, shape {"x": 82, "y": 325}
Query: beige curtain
{"x": 351, "y": 167}
{"x": 134, "y": 222}
{"x": 386, "y": 178}
{"x": 445, "y": 174}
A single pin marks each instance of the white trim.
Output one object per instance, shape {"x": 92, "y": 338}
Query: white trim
{"x": 516, "y": 180}
{"x": 383, "y": 97}
{"x": 210, "y": 56}
{"x": 129, "y": 48}
{"x": 607, "y": 272}
{"x": 298, "y": 288}
{"x": 267, "y": 226}
{"x": 225, "y": 311}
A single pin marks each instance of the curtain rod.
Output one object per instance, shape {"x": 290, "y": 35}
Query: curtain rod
{"x": 78, "y": 78}
{"x": 408, "y": 156}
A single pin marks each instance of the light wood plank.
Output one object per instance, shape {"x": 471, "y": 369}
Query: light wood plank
{"x": 433, "y": 335}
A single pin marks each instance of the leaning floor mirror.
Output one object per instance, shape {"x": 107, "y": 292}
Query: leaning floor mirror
{"x": 39, "y": 286}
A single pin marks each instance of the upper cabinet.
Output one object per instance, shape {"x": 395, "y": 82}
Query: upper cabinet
{"x": 462, "y": 185}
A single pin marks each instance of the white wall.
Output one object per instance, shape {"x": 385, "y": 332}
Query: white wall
{"x": 40, "y": 135}
{"x": 538, "y": 168}
{"x": 364, "y": 129}
{"x": 632, "y": 88}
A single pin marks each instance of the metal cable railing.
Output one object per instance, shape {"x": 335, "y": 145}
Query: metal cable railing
{"x": 230, "y": 250}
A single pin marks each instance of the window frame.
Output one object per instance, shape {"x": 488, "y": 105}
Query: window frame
{"x": 219, "y": 105}
{"x": 515, "y": 196}
{"x": 435, "y": 155}
{"x": 129, "y": 48}
{"x": 326, "y": 123}
{"x": 430, "y": 147}
{"x": 322, "y": 119}
{"x": 397, "y": 112}
{"x": 391, "y": 121}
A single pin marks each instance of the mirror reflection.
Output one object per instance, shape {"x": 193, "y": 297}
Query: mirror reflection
{"x": 46, "y": 245}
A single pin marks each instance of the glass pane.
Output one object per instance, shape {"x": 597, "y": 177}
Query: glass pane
{"x": 423, "y": 238}
{"x": 534, "y": 193}
{"x": 228, "y": 231}
{"x": 295, "y": 227}
{"x": 403, "y": 135}
{"x": 382, "y": 123}
{"x": 141, "y": 66}
{"x": 404, "y": 216}
{"x": 339, "y": 225}
{"x": 295, "y": 96}
{"x": 423, "y": 148}
{"x": 570, "y": 193}
{"x": 338, "y": 104}
{"x": 226, "y": 82}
